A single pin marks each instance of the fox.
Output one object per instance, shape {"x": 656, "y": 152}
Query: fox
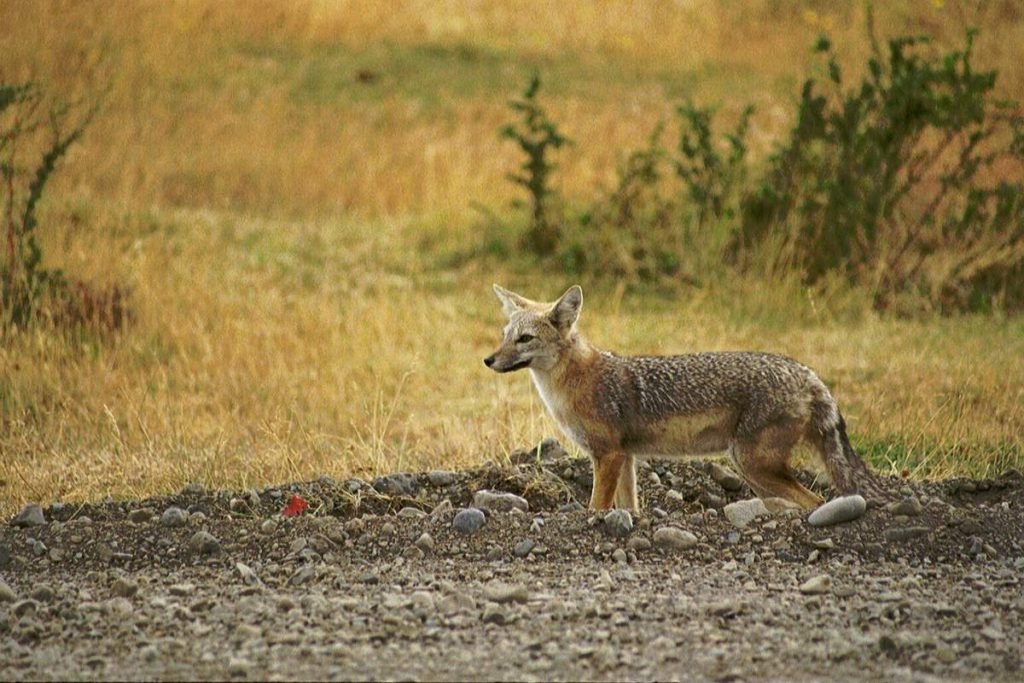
{"x": 756, "y": 406}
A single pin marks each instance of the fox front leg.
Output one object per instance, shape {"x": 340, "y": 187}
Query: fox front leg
{"x": 607, "y": 472}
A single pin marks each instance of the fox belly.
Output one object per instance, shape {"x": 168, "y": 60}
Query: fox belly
{"x": 682, "y": 435}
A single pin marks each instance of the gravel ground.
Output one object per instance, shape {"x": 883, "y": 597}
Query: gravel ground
{"x": 384, "y": 580}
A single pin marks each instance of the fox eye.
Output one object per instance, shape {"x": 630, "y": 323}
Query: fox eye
{"x": 525, "y": 339}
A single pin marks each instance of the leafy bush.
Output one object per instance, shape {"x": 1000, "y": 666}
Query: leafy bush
{"x": 910, "y": 185}
{"x": 886, "y": 182}
{"x": 35, "y": 134}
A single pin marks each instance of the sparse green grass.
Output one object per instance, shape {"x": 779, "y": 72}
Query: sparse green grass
{"x": 312, "y": 285}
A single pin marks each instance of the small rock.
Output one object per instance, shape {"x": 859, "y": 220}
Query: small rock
{"x": 174, "y": 516}
{"x": 618, "y": 522}
{"x": 838, "y": 510}
{"x": 204, "y": 543}
{"x": 400, "y": 484}
{"x": 440, "y": 478}
{"x": 409, "y": 512}
{"x": 246, "y": 573}
{"x": 499, "y": 501}
{"x": 425, "y": 542}
{"x": 268, "y": 526}
{"x": 370, "y": 578}
{"x": 494, "y": 614}
{"x": 674, "y": 538}
{"x": 140, "y": 515}
{"x": 909, "y": 507}
{"x": 503, "y": 593}
{"x": 7, "y": 593}
{"x": 743, "y": 512}
{"x": 31, "y": 515}
{"x": 992, "y": 633}
{"x": 900, "y": 534}
{"x": 238, "y": 666}
{"x": 123, "y": 588}
{"x": 42, "y": 593}
{"x": 816, "y": 585}
{"x": 523, "y": 548}
{"x": 181, "y": 590}
{"x": 442, "y": 511}
{"x": 724, "y": 477}
{"x": 619, "y": 555}
{"x": 23, "y": 607}
{"x": 421, "y": 602}
{"x": 638, "y": 543}
{"x": 302, "y": 575}
{"x": 468, "y": 521}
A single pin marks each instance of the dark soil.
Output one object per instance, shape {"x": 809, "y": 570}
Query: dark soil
{"x": 373, "y": 582}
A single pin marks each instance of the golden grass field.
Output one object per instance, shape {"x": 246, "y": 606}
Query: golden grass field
{"x": 287, "y": 189}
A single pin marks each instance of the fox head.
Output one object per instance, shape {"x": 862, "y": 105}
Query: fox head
{"x": 537, "y": 335}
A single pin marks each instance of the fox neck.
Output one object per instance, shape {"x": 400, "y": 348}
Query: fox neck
{"x": 555, "y": 385}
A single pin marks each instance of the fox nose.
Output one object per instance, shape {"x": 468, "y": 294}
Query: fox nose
{"x": 489, "y": 361}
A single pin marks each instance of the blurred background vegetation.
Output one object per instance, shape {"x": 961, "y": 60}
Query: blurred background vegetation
{"x": 258, "y": 238}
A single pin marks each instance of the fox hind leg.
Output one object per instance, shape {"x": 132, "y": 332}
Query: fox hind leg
{"x": 763, "y": 460}
{"x": 625, "y": 492}
{"x": 607, "y": 472}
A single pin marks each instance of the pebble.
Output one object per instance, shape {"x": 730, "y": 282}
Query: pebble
{"x": 441, "y": 478}
{"x": 7, "y": 593}
{"x": 674, "y": 538}
{"x": 409, "y": 512}
{"x": 174, "y": 516}
{"x": 31, "y": 515}
{"x": 838, "y": 510}
{"x": 204, "y": 543}
{"x": 725, "y": 477}
{"x": 743, "y": 512}
{"x": 246, "y": 573}
{"x": 499, "y": 501}
{"x": 400, "y": 484}
{"x": 442, "y": 511}
{"x": 140, "y": 515}
{"x": 618, "y": 522}
{"x": 370, "y": 578}
{"x": 268, "y": 526}
{"x": 503, "y": 593}
{"x": 816, "y": 585}
{"x": 494, "y": 614}
{"x": 425, "y": 542}
{"x": 900, "y": 534}
{"x": 523, "y": 548}
{"x": 123, "y": 588}
{"x": 619, "y": 555}
{"x": 23, "y": 607}
{"x": 468, "y": 521}
{"x": 42, "y": 593}
{"x": 638, "y": 543}
{"x": 909, "y": 507}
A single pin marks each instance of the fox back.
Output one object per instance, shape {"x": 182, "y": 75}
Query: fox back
{"x": 757, "y": 406}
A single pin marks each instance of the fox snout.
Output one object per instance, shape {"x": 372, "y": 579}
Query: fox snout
{"x": 502, "y": 363}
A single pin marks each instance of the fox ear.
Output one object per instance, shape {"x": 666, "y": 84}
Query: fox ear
{"x": 567, "y": 309}
{"x": 510, "y": 301}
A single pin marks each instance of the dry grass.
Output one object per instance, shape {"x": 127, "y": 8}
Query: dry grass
{"x": 282, "y": 226}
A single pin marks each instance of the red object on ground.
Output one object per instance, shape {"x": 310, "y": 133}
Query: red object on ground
{"x": 295, "y": 507}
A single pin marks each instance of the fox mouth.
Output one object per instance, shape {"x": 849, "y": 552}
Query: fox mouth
{"x": 489, "y": 362}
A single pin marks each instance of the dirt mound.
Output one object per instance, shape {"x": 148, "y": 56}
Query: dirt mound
{"x": 383, "y": 579}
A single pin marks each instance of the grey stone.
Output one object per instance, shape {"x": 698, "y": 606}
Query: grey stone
{"x": 909, "y": 507}
{"x": 400, "y": 484}
{"x": 816, "y": 585}
{"x": 523, "y": 548}
{"x": 174, "y": 516}
{"x": 7, "y": 593}
{"x": 743, "y": 512}
{"x": 123, "y": 588}
{"x": 618, "y": 522}
{"x": 506, "y": 593}
{"x": 204, "y": 543}
{"x": 30, "y": 515}
{"x": 468, "y": 521}
{"x": 246, "y": 573}
{"x": 140, "y": 515}
{"x": 838, "y": 511}
{"x": 638, "y": 543}
{"x": 674, "y": 538}
{"x": 409, "y": 512}
{"x": 442, "y": 511}
{"x": 425, "y": 542}
{"x": 499, "y": 501}
{"x": 42, "y": 593}
{"x": 23, "y": 607}
{"x": 900, "y": 534}
{"x": 619, "y": 555}
{"x": 440, "y": 478}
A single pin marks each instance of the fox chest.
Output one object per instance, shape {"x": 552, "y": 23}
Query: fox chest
{"x": 568, "y": 416}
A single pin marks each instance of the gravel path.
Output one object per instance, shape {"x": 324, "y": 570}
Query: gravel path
{"x": 376, "y": 580}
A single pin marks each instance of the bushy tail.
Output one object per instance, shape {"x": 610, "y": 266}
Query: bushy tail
{"x": 849, "y": 472}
